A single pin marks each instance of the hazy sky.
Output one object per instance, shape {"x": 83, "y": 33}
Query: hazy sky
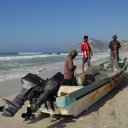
{"x": 49, "y": 25}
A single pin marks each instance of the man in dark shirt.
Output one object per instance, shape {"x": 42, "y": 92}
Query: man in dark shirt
{"x": 114, "y": 46}
{"x": 69, "y": 68}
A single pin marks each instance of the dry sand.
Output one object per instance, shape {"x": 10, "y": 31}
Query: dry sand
{"x": 109, "y": 112}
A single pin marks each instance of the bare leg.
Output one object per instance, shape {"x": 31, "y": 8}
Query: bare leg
{"x": 83, "y": 67}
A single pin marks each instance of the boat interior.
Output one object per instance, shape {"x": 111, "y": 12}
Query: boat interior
{"x": 93, "y": 74}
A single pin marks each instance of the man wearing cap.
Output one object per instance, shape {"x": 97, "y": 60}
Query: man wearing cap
{"x": 114, "y": 46}
{"x": 69, "y": 68}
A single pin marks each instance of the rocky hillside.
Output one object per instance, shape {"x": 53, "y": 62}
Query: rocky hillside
{"x": 99, "y": 45}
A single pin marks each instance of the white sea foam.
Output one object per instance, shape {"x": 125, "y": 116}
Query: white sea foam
{"x": 26, "y": 57}
{"x": 17, "y": 69}
{"x": 29, "y": 53}
{"x": 64, "y": 54}
{"x": 20, "y": 72}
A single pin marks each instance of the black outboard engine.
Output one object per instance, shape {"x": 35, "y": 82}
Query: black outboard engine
{"x": 51, "y": 88}
{"x": 32, "y": 84}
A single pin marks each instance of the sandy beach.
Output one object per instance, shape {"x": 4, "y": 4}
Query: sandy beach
{"x": 36, "y": 36}
{"x": 109, "y": 112}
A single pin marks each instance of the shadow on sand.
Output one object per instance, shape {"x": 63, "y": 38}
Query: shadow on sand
{"x": 63, "y": 120}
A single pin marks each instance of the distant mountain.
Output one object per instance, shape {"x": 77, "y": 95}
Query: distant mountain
{"x": 99, "y": 45}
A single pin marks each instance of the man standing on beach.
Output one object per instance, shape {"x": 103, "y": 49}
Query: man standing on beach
{"x": 86, "y": 51}
{"x": 114, "y": 46}
{"x": 69, "y": 68}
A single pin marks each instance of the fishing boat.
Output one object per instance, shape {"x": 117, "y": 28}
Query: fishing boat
{"x": 98, "y": 81}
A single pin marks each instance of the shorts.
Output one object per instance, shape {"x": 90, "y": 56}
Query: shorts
{"x": 86, "y": 60}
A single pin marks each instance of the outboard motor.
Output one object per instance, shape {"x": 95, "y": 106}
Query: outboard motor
{"x": 51, "y": 88}
{"x": 31, "y": 85}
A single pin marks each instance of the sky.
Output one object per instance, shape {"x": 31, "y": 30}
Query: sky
{"x": 54, "y": 25}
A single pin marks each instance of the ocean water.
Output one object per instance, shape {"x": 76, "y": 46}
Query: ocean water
{"x": 17, "y": 65}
